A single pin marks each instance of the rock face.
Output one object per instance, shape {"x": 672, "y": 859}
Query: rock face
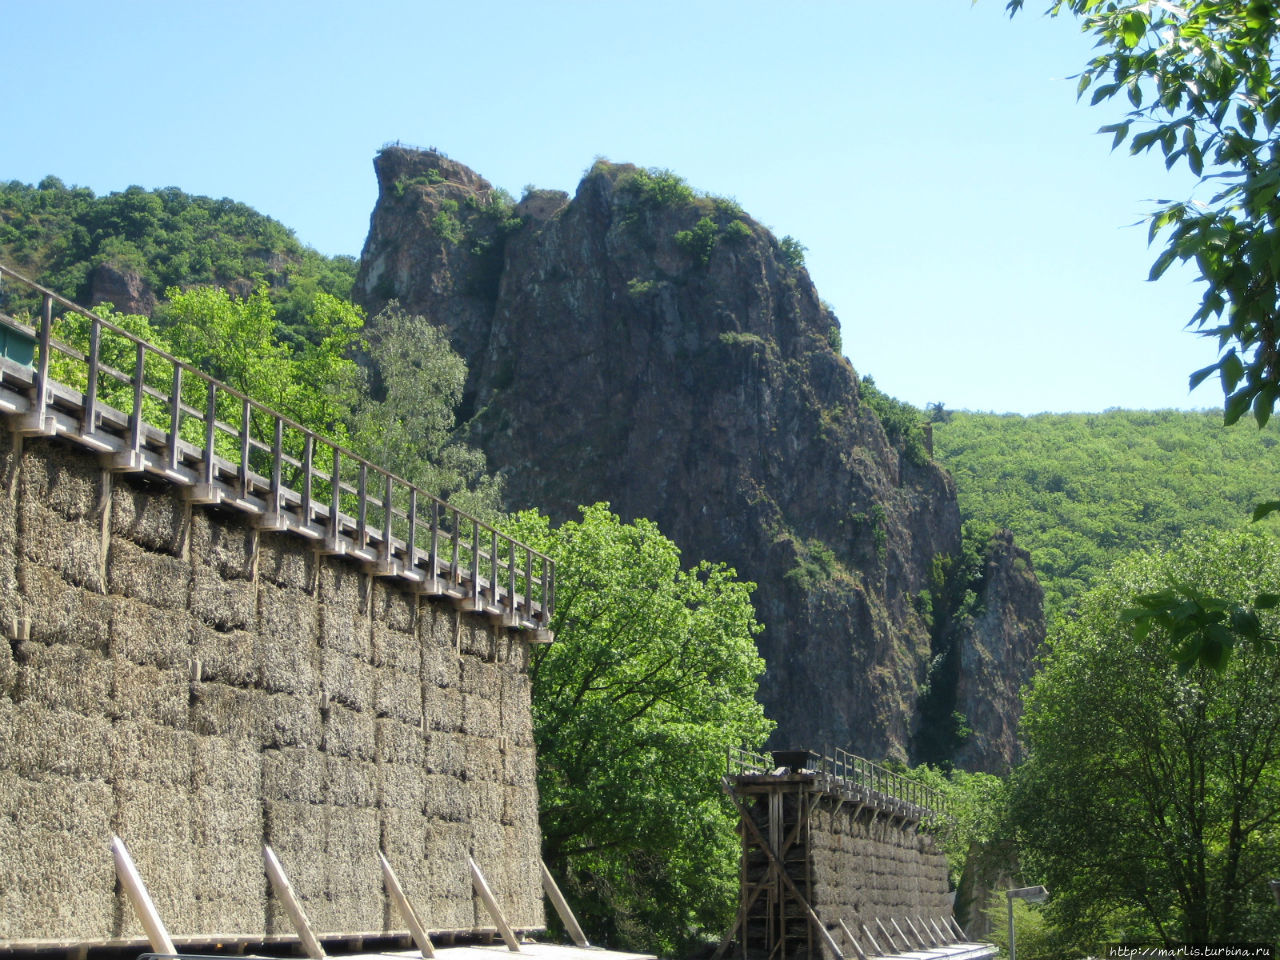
{"x": 121, "y": 287}
{"x": 663, "y": 351}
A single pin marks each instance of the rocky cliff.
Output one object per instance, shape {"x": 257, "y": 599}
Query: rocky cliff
{"x": 659, "y": 349}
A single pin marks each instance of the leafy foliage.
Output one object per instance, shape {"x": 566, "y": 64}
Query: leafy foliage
{"x": 792, "y": 251}
{"x": 656, "y": 188}
{"x": 406, "y": 423}
{"x": 652, "y": 676}
{"x": 700, "y": 241}
{"x": 1079, "y": 491}
{"x": 315, "y": 383}
{"x": 1150, "y": 802}
{"x": 58, "y": 235}
{"x": 903, "y": 423}
{"x": 1199, "y": 77}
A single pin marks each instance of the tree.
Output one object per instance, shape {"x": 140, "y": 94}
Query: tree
{"x": 1198, "y": 76}
{"x": 1150, "y": 799}
{"x": 314, "y": 382}
{"x": 652, "y": 676}
{"x": 408, "y": 426}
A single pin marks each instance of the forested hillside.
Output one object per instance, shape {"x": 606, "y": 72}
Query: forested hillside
{"x": 88, "y": 247}
{"x": 1081, "y": 490}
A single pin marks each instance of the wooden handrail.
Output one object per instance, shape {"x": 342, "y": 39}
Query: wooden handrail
{"x": 355, "y": 509}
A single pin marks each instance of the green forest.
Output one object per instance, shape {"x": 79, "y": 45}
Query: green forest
{"x": 1082, "y": 490}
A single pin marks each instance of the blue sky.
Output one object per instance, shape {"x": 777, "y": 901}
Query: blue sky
{"x": 971, "y": 230}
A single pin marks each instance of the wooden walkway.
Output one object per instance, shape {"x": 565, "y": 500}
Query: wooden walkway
{"x": 88, "y": 381}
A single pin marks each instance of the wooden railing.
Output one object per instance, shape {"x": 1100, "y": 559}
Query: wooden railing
{"x": 144, "y": 410}
{"x": 851, "y": 773}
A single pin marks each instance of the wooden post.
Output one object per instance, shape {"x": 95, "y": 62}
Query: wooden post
{"x": 853, "y": 941}
{"x": 143, "y": 908}
{"x": 872, "y": 940}
{"x": 405, "y": 908}
{"x": 284, "y": 890}
{"x": 941, "y": 937}
{"x": 491, "y": 904}
{"x": 562, "y": 908}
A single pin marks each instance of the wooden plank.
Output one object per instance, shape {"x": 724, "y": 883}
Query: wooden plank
{"x": 562, "y": 907}
{"x": 405, "y": 908}
{"x": 491, "y": 904}
{"x": 284, "y": 890}
{"x": 140, "y": 900}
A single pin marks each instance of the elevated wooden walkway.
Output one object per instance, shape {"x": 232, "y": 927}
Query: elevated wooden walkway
{"x": 164, "y": 418}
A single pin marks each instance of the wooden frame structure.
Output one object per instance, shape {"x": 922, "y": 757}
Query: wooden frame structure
{"x": 778, "y": 918}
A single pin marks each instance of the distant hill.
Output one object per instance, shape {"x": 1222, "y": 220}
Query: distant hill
{"x": 129, "y": 247}
{"x": 1081, "y": 490}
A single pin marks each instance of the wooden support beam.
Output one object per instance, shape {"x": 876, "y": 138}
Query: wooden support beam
{"x": 905, "y": 939}
{"x": 943, "y": 939}
{"x": 889, "y": 936}
{"x": 405, "y": 909}
{"x": 853, "y": 941}
{"x": 818, "y": 926}
{"x": 562, "y": 908}
{"x": 926, "y": 933}
{"x": 284, "y": 890}
{"x": 139, "y": 899}
{"x": 872, "y": 940}
{"x": 491, "y": 904}
{"x": 960, "y": 934}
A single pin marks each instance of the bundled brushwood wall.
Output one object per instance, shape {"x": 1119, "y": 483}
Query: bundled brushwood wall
{"x": 867, "y": 867}
{"x": 199, "y": 688}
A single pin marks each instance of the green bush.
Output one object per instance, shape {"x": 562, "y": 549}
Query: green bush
{"x": 737, "y": 231}
{"x": 700, "y": 241}
{"x": 792, "y": 251}
{"x": 656, "y": 188}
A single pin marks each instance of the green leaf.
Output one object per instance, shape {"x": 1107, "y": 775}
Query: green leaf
{"x": 1201, "y": 375}
{"x": 1264, "y": 403}
{"x": 1236, "y": 406}
{"x": 1232, "y": 371}
{"x": 1134, "y": 26}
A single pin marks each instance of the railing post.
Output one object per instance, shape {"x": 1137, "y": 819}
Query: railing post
{"x": 275, "y": 500}
{"x": 386, "y": 522}
{"x": 175, "y": 416}
{"x": 89, "y": 424}
{"x": 454, "y": 574}
{"x": 42, "y": 370}
{"x": 412, "y": 536}
{"x": 512, "y": 605}
{"x": 245, "y": 414}
{"x": 210, "y": 426}
{"x": 362, "y": 507}
{"x": 335, "y": 505}
{"x": 433, "y": 561}
{"x": 495, "y": 581}
{"x": 135, "y": 421}
{"x": 475, "y": 564}
{"x": 308, "y": 454}
{"x": 544, "y": 615}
